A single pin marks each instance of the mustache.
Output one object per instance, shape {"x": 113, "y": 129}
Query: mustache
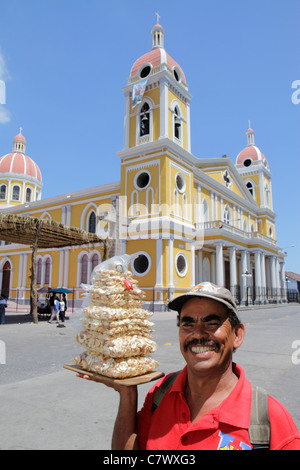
{"x": 200, "y": 342}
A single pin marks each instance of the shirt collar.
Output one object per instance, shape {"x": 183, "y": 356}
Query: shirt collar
{"x": 236, "y": 408}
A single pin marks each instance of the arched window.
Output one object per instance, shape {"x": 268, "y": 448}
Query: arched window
{"x": 250, "y": 187}
{"x": 267, "y": 190}
{"x": 92, "y": 222}
{"x": 177, "y": 123}
{"x": 28, "y": 195}
{"x": 95, "y": 260}
{"x": 3, "y": 192}
{"x": 39, "y": 271}
{"x": 47, "y": 271}
{"x": 84, "y": 269}
{"x": 16, "y": 193}
{"x": 145, "y": 120}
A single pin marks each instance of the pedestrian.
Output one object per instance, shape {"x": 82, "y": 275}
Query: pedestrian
{"x": 55, "y": 311}
{"x": 62, "y": 307}
{"x": 66, "y": 303}
{"x": 208, "y": 404}
{"x": 3, "y": 305}
{"x": 51, "y": 303}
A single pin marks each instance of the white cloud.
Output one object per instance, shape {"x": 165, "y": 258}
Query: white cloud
{"x": 4, "y": 113}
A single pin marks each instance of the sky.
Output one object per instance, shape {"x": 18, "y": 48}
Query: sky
{"x": 64, "y": 64}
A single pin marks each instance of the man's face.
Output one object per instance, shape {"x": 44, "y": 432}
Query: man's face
{"x": 206, "y": 336}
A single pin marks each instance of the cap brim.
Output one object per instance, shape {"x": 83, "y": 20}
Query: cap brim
{"x": 177, "y": 303}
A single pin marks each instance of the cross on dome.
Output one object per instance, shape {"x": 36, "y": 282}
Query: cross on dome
{"x": 157, "y": 17}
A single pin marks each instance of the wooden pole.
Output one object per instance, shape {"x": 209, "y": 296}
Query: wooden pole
{"x": 33, "y": 290}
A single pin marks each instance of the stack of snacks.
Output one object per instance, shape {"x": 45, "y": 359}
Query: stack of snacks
{"x": 116, "y": 330}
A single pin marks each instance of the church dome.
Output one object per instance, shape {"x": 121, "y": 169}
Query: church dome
{"x": 18, "y": 163}
{"x": 157, "y": 56}
{"x": 250, "y": 154}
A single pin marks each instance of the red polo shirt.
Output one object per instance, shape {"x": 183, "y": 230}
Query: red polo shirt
{"x": 223, "y": 428}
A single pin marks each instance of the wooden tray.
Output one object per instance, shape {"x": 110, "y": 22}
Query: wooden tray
{"x": 140, "y": 379}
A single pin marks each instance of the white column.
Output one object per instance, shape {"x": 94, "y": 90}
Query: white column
{"x": 193, "y": 265}
{"x": 158, "y": 262}
{"x": 68, "y": 218}
{"x": 219, "y": 265}
{"x": 199, "y": 279}
{"x": 232, "y": 260}
{"x": 263, "y": 277}
{"x": 61, "y": 268}
{"x": 244, "y": 278}
{"x": 213, "y": 267}
{"x": 216, "y": 208}
{"x": 66, "y": 267}
{"x": 221, "y": 210}
{"x": 258, "y": 287}
{"x": 212, "y": 215}
{"x": 188, "y": 127}
{"x": 21, "y": 258}
{"x": 171, "y": 262}
{"x": 126, "y": 120}
{"x": 273, "y": 277}
{"x": 24, "y": 271}
{"x": 198, "y": 209}
{"x": 164, "y": 109}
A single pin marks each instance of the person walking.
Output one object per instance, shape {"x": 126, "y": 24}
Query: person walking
{"x": 55, "y": 311}
{"x": 2, "y": 309}
{"x": 62, "y": 309}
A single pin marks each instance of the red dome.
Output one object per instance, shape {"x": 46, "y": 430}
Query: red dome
{"x": 19, "y": 163}
{"x": 251, "y": 152}
{"x": 156, "y": 57}
{"x": 20, "y": 137}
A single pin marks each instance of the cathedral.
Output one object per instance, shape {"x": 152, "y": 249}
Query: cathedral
{"x": 185, "y": 219}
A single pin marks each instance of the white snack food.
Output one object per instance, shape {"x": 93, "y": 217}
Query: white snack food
{"x": 124, "y": 346}
{"x": 115, "y": 368}
{"x": 116, "y": 331}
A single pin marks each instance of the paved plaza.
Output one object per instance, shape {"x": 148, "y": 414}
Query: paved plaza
{"x": 44, "y": 406}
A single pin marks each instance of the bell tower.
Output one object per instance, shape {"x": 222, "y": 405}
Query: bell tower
{"x": 156, "y": 190}
{"x": 157, "y": 100}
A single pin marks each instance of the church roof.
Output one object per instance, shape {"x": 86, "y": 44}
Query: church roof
{"x": 252, "y": 152}
{"x": 17, "y": 162}
{"x": 20, "y": 164}
{"x": 157, "y": 56}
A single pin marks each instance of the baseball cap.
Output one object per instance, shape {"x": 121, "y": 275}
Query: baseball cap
{"x": 209, "y": 291}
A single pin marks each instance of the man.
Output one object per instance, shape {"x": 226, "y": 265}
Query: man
{"x": 208, "y": 406}
{"x": 55, "y": 311}
{"x": 2, "y": 309}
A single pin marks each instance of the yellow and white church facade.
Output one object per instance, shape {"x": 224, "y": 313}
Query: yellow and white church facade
{"x": 187, "y": 219}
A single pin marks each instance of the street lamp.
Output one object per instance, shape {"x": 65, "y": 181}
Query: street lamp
{"x": 245, "y": 275}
